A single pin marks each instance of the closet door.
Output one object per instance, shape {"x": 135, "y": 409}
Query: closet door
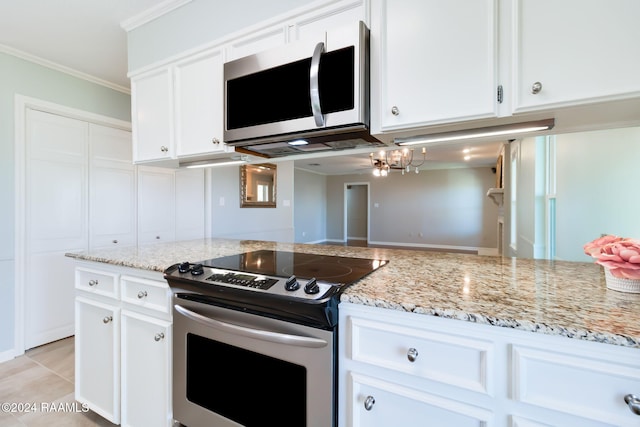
{"x": 56, "y": 222}
{"x": 112, "y": 186}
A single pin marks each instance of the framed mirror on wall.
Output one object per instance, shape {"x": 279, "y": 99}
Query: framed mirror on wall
{"x": 258, "y": 186}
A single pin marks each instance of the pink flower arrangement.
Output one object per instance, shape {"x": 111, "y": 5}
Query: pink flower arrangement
{"x": 620, "y": 255}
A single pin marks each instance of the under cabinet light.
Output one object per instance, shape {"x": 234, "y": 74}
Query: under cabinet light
{"x": 511, "y": 129}
{"x": 214, "y": 163}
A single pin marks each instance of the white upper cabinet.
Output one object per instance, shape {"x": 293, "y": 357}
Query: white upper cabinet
{"x": 199, "y": 105}
{"x": 256, "y": 42}
{"x": 432, "y": 62}
{"x": 315, "y": 25}
{"x": 573, "y": 52}
{"x": 151, "y": 111}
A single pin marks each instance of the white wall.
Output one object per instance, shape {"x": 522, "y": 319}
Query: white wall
{"x": 229, "y": 220}
{"x": 448, "y": 207}
{"x": 597, "y": 185}
{"x": 310, "y": 206}
{"x": 197, "y": 23}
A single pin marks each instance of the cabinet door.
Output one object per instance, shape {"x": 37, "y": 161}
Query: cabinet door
{"x": 314, "y": 25}
{"x": 256, "y": 42}
{"x": 432, "y": 62}
{"x": 199, "y": 105}
{"x": 576, "y": 50}
{"x": 112, "y": 185}
{"x": 151, "y": 111}
{"x": 190, "y": 204}
{"x": 379, "y": 403}
{"x": 156, "y": 205}
{"x": 146, "y": 371}
{"x": 97, "y": 357}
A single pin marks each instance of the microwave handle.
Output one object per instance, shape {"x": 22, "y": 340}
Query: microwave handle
{"x": 276, "y": 337}
{"x": 314, "y": 88}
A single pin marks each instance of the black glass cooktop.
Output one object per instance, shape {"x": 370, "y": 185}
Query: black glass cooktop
{"x": 328, "y": 268}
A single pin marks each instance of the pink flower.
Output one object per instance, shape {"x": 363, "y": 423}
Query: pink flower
{"x": 620, "y": 255}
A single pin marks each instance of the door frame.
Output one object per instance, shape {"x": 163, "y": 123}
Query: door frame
{"x": 21, "y": 105}
{"x": 345, "y": 210}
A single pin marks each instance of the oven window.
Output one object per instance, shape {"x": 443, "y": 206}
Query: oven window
{"x": 246, "y": 387}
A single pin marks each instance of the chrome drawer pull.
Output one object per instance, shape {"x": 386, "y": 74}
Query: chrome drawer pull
{"x": 369, "y": 402}
{"x": 142, "y": 294}
{"x": 633, "y": 402}
{"x": 412, "y": 354}
{"x": 93, "y": 282}
{"x": 107, "y": 319}
{"x": 159, "y": 336}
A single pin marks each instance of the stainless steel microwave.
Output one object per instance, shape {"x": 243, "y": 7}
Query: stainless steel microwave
{"x": 306, "y": 96}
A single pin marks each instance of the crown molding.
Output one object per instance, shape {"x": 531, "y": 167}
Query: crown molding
{"x": 63, "y": 69}
{"x": 151, "y": 14}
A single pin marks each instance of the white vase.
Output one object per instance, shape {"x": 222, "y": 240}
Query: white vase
{"x": 622, "y": 285}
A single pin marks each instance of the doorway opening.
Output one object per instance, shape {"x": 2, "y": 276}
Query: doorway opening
{"x": 356, "y": 214}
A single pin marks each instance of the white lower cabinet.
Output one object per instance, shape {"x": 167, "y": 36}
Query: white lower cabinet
{"x": 379, "y": 403}
{"x": 97, "y": 357}
{"x": 399, "y": 368}
{"x": 146, "y": 369}
{"x": 123, "y": 344}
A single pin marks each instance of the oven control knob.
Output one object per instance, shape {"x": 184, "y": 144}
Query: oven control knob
{"x": 292, "y": 284}
{"x": 312, "y": 286}
{"x": 184, "y": 267}
{"x": 197, "y": 270}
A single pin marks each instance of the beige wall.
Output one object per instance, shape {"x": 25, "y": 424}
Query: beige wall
{"x": 438, "y": 208}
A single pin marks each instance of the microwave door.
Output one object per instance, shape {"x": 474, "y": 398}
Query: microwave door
{"x": 302, "y": 89}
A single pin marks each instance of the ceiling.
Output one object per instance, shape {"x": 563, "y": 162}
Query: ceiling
{"x": 83, "y": 35}
{"x": 437, "y": 157}
{"x": 86, "y": 37}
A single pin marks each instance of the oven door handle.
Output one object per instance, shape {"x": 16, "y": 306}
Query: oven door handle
{"x": 276, "y": 337}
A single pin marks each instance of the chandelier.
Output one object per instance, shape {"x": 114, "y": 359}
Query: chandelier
{"x": 396, "y": 159}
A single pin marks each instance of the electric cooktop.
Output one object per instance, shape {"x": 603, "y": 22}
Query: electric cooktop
{"x": 331, "y": 269}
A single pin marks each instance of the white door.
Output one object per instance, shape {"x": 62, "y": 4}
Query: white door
{"x": 156, "y": 205}
{"x": 55, "y": 223}
{"x": 112, "y": 188}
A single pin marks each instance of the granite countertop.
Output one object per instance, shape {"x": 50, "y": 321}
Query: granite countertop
{"x": 551, "y": 297}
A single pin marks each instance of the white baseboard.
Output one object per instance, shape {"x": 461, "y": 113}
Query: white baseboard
{"x": 488, "y": 251}
{"x": 8, "y": 355}
{"x": 426, "y": 246}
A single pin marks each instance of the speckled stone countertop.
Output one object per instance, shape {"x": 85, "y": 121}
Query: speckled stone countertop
{"x": 551, "y": 297}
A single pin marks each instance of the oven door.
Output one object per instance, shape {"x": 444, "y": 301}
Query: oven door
{"x": 233, "y": 368}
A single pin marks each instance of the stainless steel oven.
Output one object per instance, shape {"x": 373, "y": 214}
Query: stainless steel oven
{"x": 235, "y": 368}
{"x": 254, "y": 338}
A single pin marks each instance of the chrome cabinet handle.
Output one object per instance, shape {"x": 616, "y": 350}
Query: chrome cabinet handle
{"x": 536, "y": 88}
{"x": 633, "y": 402}
{"x": 157, "y": 237}
{"x": 395, "y": 111}
{"x": 114, "y": 241}
{"x": 314, "y": 89}
{"x": 412, "y": 354}
{"x": 164, "y": 149}
{"x": 107, "y": 319}
{"x": 369, "y": 402}
{"x": 142, "y": 294}
{"x": 215, "y": 141}
{"x": 159, "y": 336}
{"x": 93, "y": 282}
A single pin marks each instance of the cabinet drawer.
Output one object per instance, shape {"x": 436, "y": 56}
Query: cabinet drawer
{"x": 97, "y": 282}
{"x": 375, "y": 402}
{"x": 449, "y": 359}
{"x": 575, "y": 384}
{"x": 150, "y": 294}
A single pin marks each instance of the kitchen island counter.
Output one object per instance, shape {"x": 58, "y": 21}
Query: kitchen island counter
{"x": 551, "y": 297}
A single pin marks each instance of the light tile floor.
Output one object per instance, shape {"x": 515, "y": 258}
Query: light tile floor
{"x": 43, "y": 378}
